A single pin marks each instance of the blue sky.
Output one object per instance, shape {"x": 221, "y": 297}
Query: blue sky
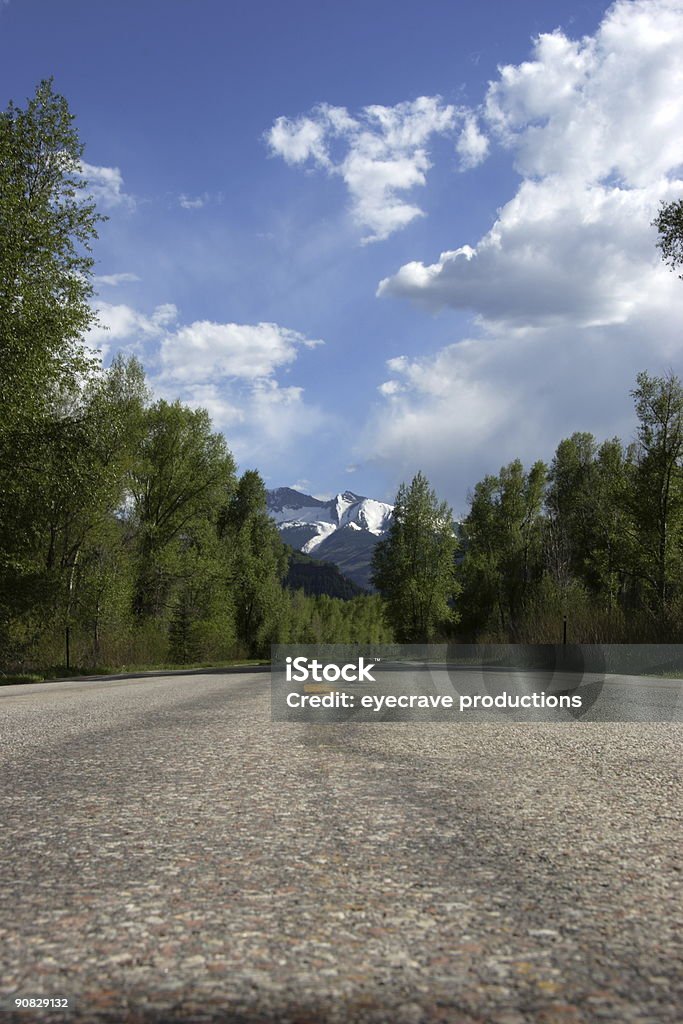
{"x": 282, "y": 180}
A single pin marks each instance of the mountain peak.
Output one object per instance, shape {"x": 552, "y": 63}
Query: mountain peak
{"x": 343, "y": 530}
{"x": 287, "y": 497}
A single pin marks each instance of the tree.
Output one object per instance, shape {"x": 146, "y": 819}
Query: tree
{"x": 414, "y": 566}
{"x": 503, "y": 532}
{"x": 669, "y": 224}
{"x": 257, "y": 560}
{"x": 657, "y": 496}
{"x": 47, "y": 224}
{"x": 181, "y": 481}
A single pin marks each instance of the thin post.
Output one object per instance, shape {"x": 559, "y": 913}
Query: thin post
{"x": 67, "y": 632}
{"x": 564, "y": 631}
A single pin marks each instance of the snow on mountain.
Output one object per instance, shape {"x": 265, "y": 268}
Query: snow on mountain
{"x": 344, "y": 530}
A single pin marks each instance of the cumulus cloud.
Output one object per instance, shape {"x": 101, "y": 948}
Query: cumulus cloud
{"x": 380, "y": 154}
{"x": 568, "y": 292}
{"x": 105, "y": 185}
{"x": 230, "y": 369}
{"x": 596, "y": 129}
{"x": 604, "y": 105}
{"x": 558, "y": 251}
{"x": 121, "y": 323}
{"x": 246, "y": 351}
{"x": 481, "y": 401}
{"x": 472, "y": 145}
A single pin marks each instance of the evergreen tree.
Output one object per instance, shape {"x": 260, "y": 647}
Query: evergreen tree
{"x": 258, "y": 561}
{"x": 414, "y": 566}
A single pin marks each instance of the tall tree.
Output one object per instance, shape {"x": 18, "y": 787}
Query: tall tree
{"x": 502, "y": 548}
{"x": 183, "y": 479}
{"x": 258, "y": 561}
{"x": 47, "y": 224}
{"x": 657, "y": 496}
{"x": 414, "y": 566}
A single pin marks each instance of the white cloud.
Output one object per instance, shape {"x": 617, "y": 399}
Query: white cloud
{"x": 246, "y": 351}
{"x": 229, "y": 369}
{"x": 480, "y": 402}
{"x": 558, "y": 251}
{"x": 433, "y": 400}
{"x": 596, "y": 129}
{"x": 605, "y": 105}
{"x": 121, "y": 323}
{"x": 380, "y": 154}
{"x": 193, "y": 202}
{"x": 472, "y": 145}
{"x": 260, "y": 418}
{"x": 105, "y": 184}
{"x": 568, "y": 292}
{"x": 114, "y": 280}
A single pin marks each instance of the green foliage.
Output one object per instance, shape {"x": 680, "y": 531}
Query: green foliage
{"x": 503, "y": 536}
{"x": 258, "y": 561}
{"x": 328, "y": 620}
{"x": 599, "y": 539}
{"x": 48, "y": 411}
{"x": 414, "y": 567}
{"x": 47, "y": 223}
{"x": 178, "y": 485}
{"x": 669, "y": 224}
{"x": 316, "y": 578}
{"x": 657, "y": 505}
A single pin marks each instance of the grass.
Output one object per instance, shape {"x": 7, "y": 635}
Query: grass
{"x": 56, "y": 672}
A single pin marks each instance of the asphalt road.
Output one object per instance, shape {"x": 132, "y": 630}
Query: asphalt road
{"x": 170, "y": 854}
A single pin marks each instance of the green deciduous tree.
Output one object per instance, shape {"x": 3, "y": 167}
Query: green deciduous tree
{"x": 502, "y": 532}
{"x": 657, "y": 494}
{"x": 181, "y": 481}
{"x": 47, "y": 224}
{"x": 414, "y": 566}
{"x": 669, "y": 224}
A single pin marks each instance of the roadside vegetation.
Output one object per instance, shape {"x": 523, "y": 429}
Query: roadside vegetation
{"x": 596, "y": 537}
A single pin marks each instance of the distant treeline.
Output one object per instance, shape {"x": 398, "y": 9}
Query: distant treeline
{"x": 597, "y": 537}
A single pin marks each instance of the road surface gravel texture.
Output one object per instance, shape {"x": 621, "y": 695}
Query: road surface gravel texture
{"x": 170, "y": 854}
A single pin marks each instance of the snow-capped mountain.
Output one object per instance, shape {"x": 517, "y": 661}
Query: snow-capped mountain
{"x": 344, "y": 530}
